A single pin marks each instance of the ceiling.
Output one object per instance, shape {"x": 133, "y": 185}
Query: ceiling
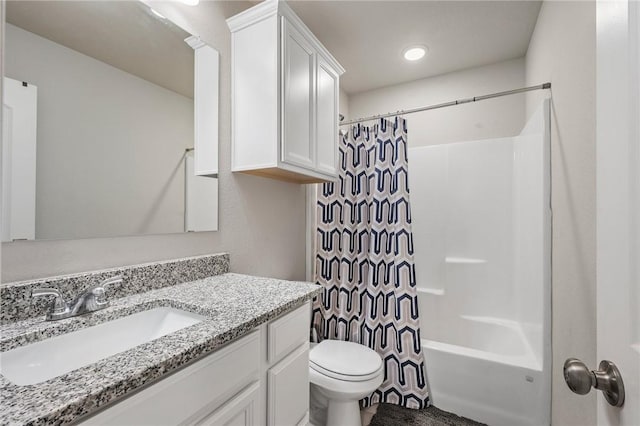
{"x": 368, "y": 37}
{"x": 124, "y": 34}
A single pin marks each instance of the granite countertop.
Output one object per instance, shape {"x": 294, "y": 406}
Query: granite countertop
{"x": 233, "y": 305}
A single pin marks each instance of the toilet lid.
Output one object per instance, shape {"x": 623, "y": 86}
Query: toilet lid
{"x": 345, "y": 360}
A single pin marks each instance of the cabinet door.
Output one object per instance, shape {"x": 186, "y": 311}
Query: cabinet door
{"x": 239, "y": 411}
{"x": 288, "y": 395}
{"x": 327, "y": 118}
{"x": 297, "y": 98}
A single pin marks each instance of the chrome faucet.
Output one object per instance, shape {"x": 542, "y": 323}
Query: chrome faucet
{"x": 91, "y": 299}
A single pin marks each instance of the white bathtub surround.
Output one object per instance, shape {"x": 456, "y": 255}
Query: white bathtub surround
{"x": 481, "y": 224}
{"x": 365, "y": 259}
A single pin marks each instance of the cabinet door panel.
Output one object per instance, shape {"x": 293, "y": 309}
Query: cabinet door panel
{"x": 239, "y": 411}
{"x": 298, "y": 82}
{"x": 327, "y": 118}
{"x": 288, "y": 396}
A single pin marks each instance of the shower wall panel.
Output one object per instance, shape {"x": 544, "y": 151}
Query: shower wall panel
{"x": 462, "y": 203}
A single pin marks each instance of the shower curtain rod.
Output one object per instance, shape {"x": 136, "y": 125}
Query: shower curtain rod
{"x": 452, "y": 103}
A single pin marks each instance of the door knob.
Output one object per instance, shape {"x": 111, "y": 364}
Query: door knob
{"x": 607, "y": 379}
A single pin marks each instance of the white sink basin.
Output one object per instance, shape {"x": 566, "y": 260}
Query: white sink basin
{"x": 46, "y": 359}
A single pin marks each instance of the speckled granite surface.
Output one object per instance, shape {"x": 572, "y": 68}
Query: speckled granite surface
{"x": 16, "y": 303}
{"x": 233, "y": 304}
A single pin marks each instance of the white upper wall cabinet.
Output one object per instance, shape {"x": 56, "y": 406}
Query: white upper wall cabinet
{"x": 19, "y": 130}
{"x": 285, "y": 88}
{"x": 205, "y": 104}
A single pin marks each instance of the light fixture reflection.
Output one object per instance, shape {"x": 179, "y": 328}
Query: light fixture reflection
{"x": 414, "y": 53}
{"x": 158, "y": 14}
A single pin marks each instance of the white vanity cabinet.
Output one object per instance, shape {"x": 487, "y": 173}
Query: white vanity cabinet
{"x": 285, "y": 91}
{"x": 260, "y": 379}
{"x": 288, "y": 368}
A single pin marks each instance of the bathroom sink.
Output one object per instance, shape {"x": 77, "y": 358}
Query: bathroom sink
{"x": 46, "y": 359}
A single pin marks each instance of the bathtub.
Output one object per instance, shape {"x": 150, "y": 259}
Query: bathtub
{"x": 481, "y": 224}
{"x": 487, "y": 371}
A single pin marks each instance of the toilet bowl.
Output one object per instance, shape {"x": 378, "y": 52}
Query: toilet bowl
{"x": 340, "y": 374}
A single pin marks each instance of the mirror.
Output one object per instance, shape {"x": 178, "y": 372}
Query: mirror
{"x": 99, "y": 124}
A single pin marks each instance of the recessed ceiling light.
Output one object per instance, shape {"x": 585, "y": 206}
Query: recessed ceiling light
{"x": 413, "y": 53}
{"x": 158, "y": 14}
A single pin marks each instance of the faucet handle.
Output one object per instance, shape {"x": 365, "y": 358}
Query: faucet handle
{"x": 59, "y": 305}
{"x": 116, "y": 279}
{"x": 99, "y": 289}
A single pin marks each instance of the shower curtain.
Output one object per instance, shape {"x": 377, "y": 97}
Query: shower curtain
{"x": 364, "y": 259}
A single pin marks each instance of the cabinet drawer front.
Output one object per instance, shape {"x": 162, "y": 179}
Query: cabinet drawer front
{"x": 288, "y": 396}
{"x": 192, "y": 392}
{"x": 287, "y": 333}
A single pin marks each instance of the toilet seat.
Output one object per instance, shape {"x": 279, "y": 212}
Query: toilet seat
{"x": 346, "y": 361}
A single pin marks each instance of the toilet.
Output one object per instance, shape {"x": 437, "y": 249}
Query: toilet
{"x": 340, "y": 374}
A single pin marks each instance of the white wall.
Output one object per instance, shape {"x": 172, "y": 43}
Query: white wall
{"x": 262, "y": 221}
{"x": 562, "y": 51}
{"x": 493, "y": 118}
{"x": 343, "y": 108}
{"x": 110, "y": 145}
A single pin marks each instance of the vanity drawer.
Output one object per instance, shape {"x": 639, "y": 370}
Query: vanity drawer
{"x": 199, "y": 388}
{"x": 287, "y": 333}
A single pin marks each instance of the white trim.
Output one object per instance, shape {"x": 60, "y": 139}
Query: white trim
{"x": 257, "y": 13}
{"x": 254, "y": 167}
{"x": 269, "y": 8}
{"x": 307, "y": 172}
{"x": 195, "y": 42}
{"x": 286, "y": 11}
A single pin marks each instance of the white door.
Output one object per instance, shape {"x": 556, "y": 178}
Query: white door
{"x": 618, "y": 201}
{"x": 19, "y": 112}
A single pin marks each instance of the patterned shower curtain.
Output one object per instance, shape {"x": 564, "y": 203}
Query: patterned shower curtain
{"x": 364, "y": 259}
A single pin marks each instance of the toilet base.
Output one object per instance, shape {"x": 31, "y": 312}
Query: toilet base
{"x": 318, "y": 404}
{"x": 343, "y": 413}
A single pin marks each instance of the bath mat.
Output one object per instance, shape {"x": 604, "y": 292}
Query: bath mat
{"x": 394, "y": 415}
